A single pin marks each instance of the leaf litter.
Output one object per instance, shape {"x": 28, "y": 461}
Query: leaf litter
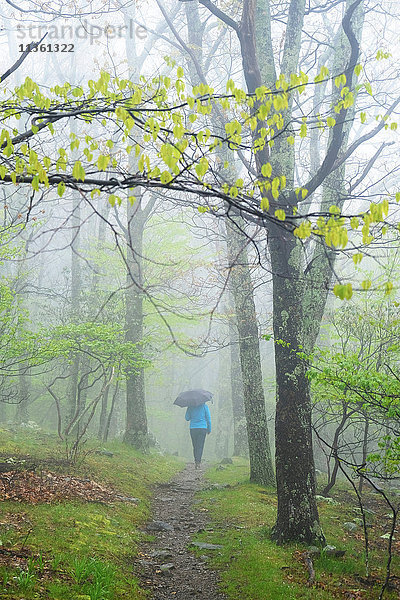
{"x": 47, "y": 487}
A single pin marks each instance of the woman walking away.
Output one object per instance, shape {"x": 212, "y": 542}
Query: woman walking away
{"x": 200, "y": 426}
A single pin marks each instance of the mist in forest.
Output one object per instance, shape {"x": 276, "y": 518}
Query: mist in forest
{"x": 117, "y": 296}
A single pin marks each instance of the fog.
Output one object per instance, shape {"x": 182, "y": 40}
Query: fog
{"x": 117, "y": 297}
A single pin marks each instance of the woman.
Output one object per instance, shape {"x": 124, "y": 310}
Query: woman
{"x": 200, "y": 426}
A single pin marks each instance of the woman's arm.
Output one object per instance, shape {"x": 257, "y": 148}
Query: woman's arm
{"x": 188, "y": 414}
{"x": 208, "y": 418}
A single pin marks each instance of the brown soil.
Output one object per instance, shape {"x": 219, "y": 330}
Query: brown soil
{"x": 167, "y": 567}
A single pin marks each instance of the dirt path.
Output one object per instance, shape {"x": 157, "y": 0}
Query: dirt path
{"x": 167, "y": 567}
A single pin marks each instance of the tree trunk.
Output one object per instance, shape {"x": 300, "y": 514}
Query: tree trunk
{"x": 136, "y": 433}
{"x": 103, "y": 414}
{"x": 335, "y": 445}
{"x": 364, "y": 451}
{"x": 297, "y": 517}
{"x": 240, "y": 441}
{"x": 76, "y": 287}
{"x": 261, "y": 470}
{"x": 22, "y": 415}
{"x": 111, "y": 413}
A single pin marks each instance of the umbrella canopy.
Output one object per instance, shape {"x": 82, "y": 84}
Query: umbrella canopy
{"x": 193, "y": 398}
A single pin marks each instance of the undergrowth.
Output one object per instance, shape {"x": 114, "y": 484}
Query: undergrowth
{"x": 255, "y": 568}
{"x": 74, "y": 549}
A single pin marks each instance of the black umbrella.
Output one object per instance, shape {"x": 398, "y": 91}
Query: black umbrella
{"x": 193, "y": 398}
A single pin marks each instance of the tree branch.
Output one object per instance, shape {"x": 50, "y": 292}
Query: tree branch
{"x": 329, "y": 162}
{"x": 369, "y": 166}
{"x": 221, "y": 15}
{"x": 182, "y": 43}
{"x": 364, "y": 138}
{"x": 21, "y": 59}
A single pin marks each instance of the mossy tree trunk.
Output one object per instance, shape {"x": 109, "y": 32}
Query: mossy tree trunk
{"x": 136, "y": 433}
{"x": 136, "y": 427}
{"x": 297, "y": 516}
{"x": 241, "y": 285}
{"x": 240, "y": 441}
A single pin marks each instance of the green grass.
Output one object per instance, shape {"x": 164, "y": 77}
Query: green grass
{"x": 78, "y": 550}
{"x": 254, "y": 568}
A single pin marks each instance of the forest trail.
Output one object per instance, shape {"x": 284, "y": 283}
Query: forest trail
{"x": 167, "y": 567}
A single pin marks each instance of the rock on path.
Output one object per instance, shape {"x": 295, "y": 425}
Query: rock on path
{"x": 166, "y": 566}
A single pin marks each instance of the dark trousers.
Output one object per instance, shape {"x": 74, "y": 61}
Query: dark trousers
{"x": 198, "y": 436}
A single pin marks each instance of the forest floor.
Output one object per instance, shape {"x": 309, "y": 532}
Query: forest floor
{"x": 121, "y": 525}
{"x": 166, "y": 565}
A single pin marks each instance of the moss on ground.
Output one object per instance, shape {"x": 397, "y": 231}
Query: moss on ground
{"x": 254, "y": 568}
{"x": 85, "y": 550}
{"x": 72, "y": 549}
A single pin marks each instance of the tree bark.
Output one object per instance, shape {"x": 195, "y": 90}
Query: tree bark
{"x": 261, "y": 470}
{"x": 297, "y": 517}
{"x": 136, "y": 432}
{"x": 76, "y": 288}
{"x": 240, "y": 441}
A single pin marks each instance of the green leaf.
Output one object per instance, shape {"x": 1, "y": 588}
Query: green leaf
{"x": 366, "y": 284}
{"x": 35, "y": 183}
{"x": 61, "y": 188}
{"x": 165, "y": 177}
{"x": 78, "y": 171}
{"x": 202, "y": 167}
{"x": 113, "y": 199}
{"x": 102, "y": 162}
{"x": 354, "y": 222}
{"x": 266, "y": 170}
{"x": 388, "y": 287}
{"x": 344, "y": 292}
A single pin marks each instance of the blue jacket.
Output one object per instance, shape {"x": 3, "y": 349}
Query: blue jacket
{"x": 199, "y": 417}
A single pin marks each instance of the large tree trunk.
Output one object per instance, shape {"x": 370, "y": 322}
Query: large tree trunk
{"x": 136, "y": 433}
{"x": 136, "y": 428}
{"x": 297, "y": 517}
